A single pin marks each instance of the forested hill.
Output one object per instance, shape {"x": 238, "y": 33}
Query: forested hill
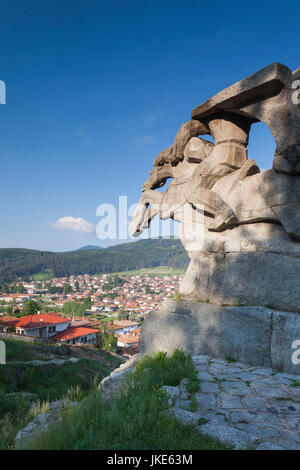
{"x": 23, "y": 263}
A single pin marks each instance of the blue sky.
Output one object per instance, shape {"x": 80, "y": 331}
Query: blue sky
{"x": 96, "y": 89}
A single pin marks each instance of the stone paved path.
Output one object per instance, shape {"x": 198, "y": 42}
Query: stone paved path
{"x": 242, "y": 405}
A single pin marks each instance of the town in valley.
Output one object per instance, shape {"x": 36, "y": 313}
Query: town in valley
{"x": 105, "y": 310}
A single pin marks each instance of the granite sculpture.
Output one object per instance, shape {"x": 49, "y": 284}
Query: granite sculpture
{"x": 239, "y": 225}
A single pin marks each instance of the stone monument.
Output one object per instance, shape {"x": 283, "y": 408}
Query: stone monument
{"x": 240, "y": 296}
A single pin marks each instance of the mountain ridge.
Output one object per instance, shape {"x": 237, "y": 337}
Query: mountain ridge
{"x": 16, "y": 263}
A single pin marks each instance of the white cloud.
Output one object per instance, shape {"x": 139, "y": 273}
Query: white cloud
{"x": 72, "y": 223}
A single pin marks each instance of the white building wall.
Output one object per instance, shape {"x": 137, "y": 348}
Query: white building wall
{"x": 59, "y": 327}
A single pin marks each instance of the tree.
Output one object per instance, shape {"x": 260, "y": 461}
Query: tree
{"x": 106, "y": 340}
{"x": 9, "y": 310}
{"x": 67, "y": 289}
{"x": 122, "y": 315}
{"x": 76, "y": 286}
{"x": 133, "y": 316}
{"x": 74, "y": 308}
{"x": 147, "y": 290}
{"x": 31, "y": 307}
{"x": 87, "y": 303}
{"x": 53, "y": 290}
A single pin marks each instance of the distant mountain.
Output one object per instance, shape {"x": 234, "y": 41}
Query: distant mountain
{"x": 22, "y": 263}
{"x": 90, "y": 247}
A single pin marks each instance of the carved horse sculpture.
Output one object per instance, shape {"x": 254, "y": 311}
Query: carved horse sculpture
{"x": 218, "y": 177}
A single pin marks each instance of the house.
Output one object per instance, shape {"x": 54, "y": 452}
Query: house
{"x": 125, "y": 341}
{"x": 55, "y": 327}
{"x": 7, "y": 322}
{"x": 129, "y": 340}
{"x": 43, "y": 325}
{"x": 76, "y": 335}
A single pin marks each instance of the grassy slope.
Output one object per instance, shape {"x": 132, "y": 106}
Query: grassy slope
{"x": 160, "y": 271}
{"x": 137, "y": 419}
{"x": 45, "y": 275}
{"x": 47, "y": 382}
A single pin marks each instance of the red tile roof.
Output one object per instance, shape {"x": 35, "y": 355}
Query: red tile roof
{"x": 127, "y": 339}
{"x": 44, "y": 319}
{"x": 6, "y": 320}
{"x": 123, "y": 324}
{"x": 73, "y": 332}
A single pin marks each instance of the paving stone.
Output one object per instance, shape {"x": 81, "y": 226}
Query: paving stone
{"x": 184, "y": 404}
{"x": 267, "y": 382}
{"x": 294, "y": 423}
{"x": 244, "y": 376}
{"x": 269, "y": 446}
{"x": 281, "y": 380}
{"x": 246, "y": 407}
{"x": 268, "y": 420}
{"x": 173, "y": 392}
{"x": 254, "y": 404}
{"x": 295, "y": 393}
{"x": 233, "y": 385}
{"x": 229, "y": 435}
{"x": 285, "y": 375}
{"x": 200, "y": 359}
{"x": 215, "y": 370}
{"x": 241, "y": 417}
{"x": 228, "y": 401}
{"x": 184, "y": 383}
{"x": 272, "y": 392}
{"x": 201, "y": 367}
{"x": 287, "y": 407}
{"x": 293, "y": 437}
{"x": 243, "y": 366}
{"x": 220, "y": 377}
{"x": 265, "y": 372}
{"x": 234, "y": 370}
{"x": 206, "y": 401}
{"x": 259, "y": 432}
{"x": 204, "y": 376}
{"x": 212, "y": 418}
{"x": 242, "y": 392}
{"x": 209, "y": 387}
{"x": 219, "y": 361}
{"x": 185, "y": 416}
{"x": 288, "y": 441}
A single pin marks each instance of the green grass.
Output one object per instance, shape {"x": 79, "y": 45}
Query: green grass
{"x": 160, "y": 271}
{"x": 44, "y": 275}
{"x": 47, "y": 382}
{"x": 17, "y": 350}
{"x": 136, "y": 419}
{"x": 295, "y": 383}
{"x": 230, "y": 359}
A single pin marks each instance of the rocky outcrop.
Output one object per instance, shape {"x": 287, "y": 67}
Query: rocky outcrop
{"x": 256, "y": 335}
{"x": 239, "y": 226}
{"x": 114, "y": 383}
{"x": 41, "y": 422}
{"x": 255, "y": 264}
